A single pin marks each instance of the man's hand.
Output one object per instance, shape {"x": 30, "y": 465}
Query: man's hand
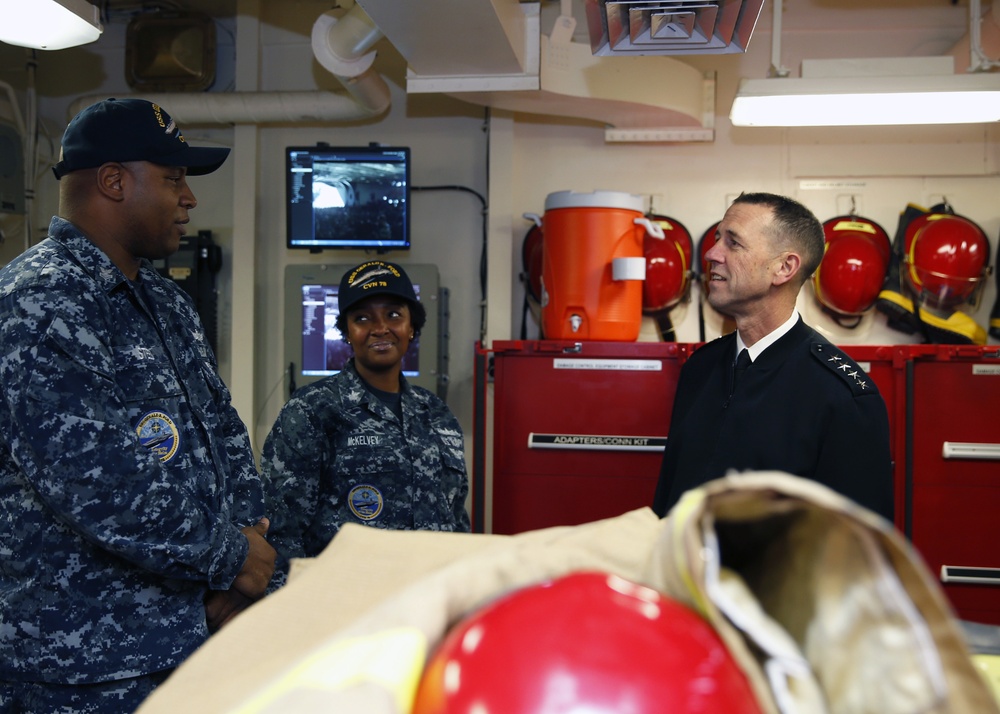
{"x": 252, "y": 580}
{"x": 221, "y": 606}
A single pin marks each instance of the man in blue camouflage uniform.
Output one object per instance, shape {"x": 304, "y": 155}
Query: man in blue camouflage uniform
{"x": 365, "y": 446}
{"x": 132, "y": 508}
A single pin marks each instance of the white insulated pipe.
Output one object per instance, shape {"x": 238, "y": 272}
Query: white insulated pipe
{"x": 189, "y": 108}
{"x": 340, "y": 46}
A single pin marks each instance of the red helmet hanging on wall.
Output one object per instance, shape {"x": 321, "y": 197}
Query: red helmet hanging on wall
{"x": 856, "y": 257}
{"x": 531, "y": 257}
{"x": 587, "y": 642}
{"x": 668, "y": 265}
{"x": 946, "y": 259}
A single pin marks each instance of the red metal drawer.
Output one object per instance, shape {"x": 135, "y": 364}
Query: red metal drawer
{"x": 955, "y": 472}
{"x": 957, "y": 527}
{"x": 578, "y": 429}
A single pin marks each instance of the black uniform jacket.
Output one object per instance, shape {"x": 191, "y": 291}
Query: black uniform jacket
{"x": 803, "y": 407}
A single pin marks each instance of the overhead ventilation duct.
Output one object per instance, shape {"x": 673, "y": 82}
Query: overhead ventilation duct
{"x": 671, "y": 27}
{"x": 446, "y": 38}
{"x": 503, "y": 60}
{"x": 342, "y": 47}
{"x": 639, "y": 99}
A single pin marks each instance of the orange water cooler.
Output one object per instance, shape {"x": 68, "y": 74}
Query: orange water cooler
{"x": 593, "y": 265}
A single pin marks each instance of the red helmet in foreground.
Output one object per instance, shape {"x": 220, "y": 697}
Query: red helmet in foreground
{"x": 587, "y": 642}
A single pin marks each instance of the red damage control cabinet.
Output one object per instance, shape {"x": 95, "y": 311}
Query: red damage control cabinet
{"x": 579, "y": 429}
{"x": 953, "y": 472}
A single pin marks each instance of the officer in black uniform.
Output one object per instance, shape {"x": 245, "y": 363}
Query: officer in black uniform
{"x": 774, "y": 394}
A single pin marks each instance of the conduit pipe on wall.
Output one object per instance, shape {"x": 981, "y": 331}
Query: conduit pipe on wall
{"x": 340, "y": 46}
{"x": 973, "y": 52}
{"x": 15, "y": 108}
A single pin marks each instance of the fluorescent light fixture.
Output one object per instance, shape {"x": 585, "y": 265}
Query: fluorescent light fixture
{"x": 867, "y": 101}
{"x": 49, "y": 24}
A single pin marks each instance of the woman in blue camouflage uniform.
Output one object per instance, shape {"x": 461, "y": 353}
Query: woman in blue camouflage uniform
{"x": 365, "y": 446}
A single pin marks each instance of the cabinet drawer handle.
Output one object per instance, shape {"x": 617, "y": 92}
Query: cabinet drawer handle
{"x": 968, "y": 450}
{"x": 966, "y": 574}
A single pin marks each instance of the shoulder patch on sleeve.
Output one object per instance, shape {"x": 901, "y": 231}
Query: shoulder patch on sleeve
{"x": 843, "y": 366}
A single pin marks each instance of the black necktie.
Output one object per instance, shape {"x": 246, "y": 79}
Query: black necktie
{"x": 742, "y": 362}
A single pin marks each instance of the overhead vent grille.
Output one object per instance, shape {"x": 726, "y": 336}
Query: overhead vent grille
{"x": 681, "y": 27}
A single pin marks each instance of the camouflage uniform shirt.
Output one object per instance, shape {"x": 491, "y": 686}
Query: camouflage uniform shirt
{"x": 338, "y": 454}
{"x": 125, "y": 472}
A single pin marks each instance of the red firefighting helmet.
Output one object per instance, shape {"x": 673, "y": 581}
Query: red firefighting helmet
{"x": 668, "y": 265}
{"x": 850, "y": 276}
{"x": 587, "y": 642}
{"x": 531, "y": 256}
{"x": 946, "y": 258}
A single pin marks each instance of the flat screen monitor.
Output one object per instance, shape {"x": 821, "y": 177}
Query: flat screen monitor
{"x": 314, "y": 347}
{"x": 353, "y": 197}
